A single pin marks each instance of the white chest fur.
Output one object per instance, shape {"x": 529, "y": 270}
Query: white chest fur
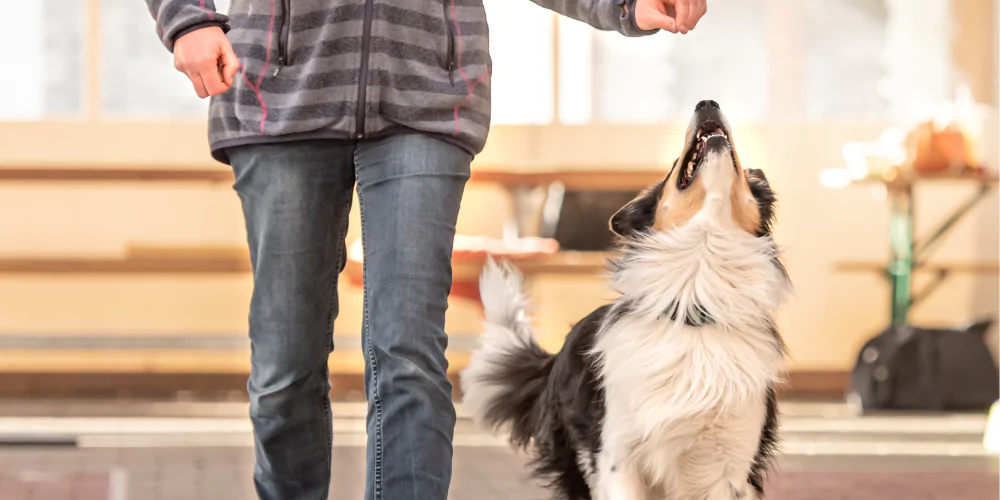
{"x": 663, "y": 372}
{"x": 685, "y": 405}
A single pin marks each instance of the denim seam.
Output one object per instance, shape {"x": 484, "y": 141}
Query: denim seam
{"x": 329, "y": 330}
{"x": 376, "y": 400}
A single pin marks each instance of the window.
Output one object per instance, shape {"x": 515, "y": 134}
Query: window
{"x": 837, "y": 59}
{"x": 762, "y": 59}
{"x": 917, "y": 58}
{"x": 43, "y": 76}
{"x": 843, "y": 67}
{"x": 521, "y": 49}
{"x": 138, "y": 79}
{"x": 660, "y": 78}
{"x": 726, "y": 58}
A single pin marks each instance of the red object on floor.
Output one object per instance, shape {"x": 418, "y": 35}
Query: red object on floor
{"x": 468, "y": 257}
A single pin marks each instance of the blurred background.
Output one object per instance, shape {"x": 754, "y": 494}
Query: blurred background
{"x": 125, "y": 285}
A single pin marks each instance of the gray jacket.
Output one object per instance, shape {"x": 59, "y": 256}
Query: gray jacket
{"x": 418, "y": 65}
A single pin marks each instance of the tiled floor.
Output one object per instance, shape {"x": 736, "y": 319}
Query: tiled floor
{"x": 202, "y": 452}
{"x": 480, "y": 473}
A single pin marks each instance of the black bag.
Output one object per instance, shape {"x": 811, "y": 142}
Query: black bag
{"x": 910, "y": 368}
{"x": 583, "y": 219}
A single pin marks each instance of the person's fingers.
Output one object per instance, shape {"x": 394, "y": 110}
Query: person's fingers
{"x": 649, "y": 18}
{"x": 206, "y": 57}
{"x": 212, "y": 79}
{"x": 230, "y": 65}
{"x": 206, "y": 69}
{"x": 199, "y": 86}
{"x": 701, "y": 9}
{"x": 683, "y": 8}
{"x": 665, "y": 23}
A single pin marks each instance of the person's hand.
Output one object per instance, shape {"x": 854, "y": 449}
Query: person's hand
{"x": 670, "y": 15}
{"x": 207, "y": 58}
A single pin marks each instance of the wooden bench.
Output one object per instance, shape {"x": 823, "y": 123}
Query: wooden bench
{"x": 141, "y": 175}
{"x": 137, "y": 260}
{"x": 142, "y": 259}
{"x": 227, "y": 260}
{"x": 168, "y": 361}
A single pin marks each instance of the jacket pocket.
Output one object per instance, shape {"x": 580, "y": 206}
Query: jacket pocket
{"x": 284, "y": 31}
{"x": 451, "y": 58}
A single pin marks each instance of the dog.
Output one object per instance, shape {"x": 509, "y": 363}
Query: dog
{"x": 668, "y": 391}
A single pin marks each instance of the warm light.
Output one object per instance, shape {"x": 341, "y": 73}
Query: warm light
{"x": 895, "y": 147}
{"x": 959, "y": 113}
{"x": 963, "y": 115}
{"x": 970, "y": 118}
{"x": 944, "y": 116}
{"x": 991, "y": 438}
{"x": 891, "y": 145}
{"x": 873, "y": 159}
{"x": 856, "y": 160}
{"x": 835, "y": 178}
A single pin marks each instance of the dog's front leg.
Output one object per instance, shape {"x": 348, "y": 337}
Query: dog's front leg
{"x": 619, "y": 478}
{"x": 716, "y": 466}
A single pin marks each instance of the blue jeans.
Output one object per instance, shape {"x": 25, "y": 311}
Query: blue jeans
{"x": 296, "y": 198}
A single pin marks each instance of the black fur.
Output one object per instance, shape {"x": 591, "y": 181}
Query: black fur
{"x": 573, "y": 404}
{"x": 524, "y": 376}
{"x": 768, "y": 446}
{"x": 639, "y": 214}
{"x": 554, "y": 405}
{"x": 761, "y": 191}
{"x": 766, "y": 202}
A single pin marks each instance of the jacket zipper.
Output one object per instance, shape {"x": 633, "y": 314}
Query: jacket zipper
{"x": 450, "y": 65}
{"x": 366, "y": 41}
{"x": 283, "y": 31}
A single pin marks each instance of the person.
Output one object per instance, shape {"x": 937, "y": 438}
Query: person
{"x": 309, "y": 99}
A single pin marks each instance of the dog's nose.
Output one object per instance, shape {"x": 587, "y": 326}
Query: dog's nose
{"x": 708, "y": 103}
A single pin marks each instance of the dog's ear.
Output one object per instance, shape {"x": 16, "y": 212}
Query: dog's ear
{"x": 766, "y": 199}
{"x": 639, "y": 214}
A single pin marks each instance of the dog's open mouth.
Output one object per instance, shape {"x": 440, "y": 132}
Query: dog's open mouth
{"x": 711, "y": 136}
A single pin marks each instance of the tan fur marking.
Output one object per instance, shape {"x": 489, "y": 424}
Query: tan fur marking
{"x": 680, "y": 206}
{"x": 746, "y": 214}
{"x": 675, "y": 208}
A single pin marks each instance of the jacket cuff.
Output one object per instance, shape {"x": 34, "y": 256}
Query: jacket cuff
{"x": 198, "y": 26}
{"x": 628, "y": 25}
{"x": 180, "y": 17}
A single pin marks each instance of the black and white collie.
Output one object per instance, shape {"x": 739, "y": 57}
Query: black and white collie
{"x": 668, "y": 392}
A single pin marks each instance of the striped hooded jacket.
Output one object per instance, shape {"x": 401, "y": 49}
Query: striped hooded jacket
{"x": 342, "y": 69}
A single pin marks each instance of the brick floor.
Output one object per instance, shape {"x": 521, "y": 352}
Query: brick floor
{"x": 479, "y": 474}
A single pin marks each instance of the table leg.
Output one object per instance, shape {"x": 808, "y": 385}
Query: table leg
{"x": 901, "y": 252}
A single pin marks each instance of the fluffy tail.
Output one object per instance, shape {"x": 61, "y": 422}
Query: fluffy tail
{"x": 507, "y": 373}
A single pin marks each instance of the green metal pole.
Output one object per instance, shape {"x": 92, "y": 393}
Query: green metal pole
{"x": 901, "y": 251}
